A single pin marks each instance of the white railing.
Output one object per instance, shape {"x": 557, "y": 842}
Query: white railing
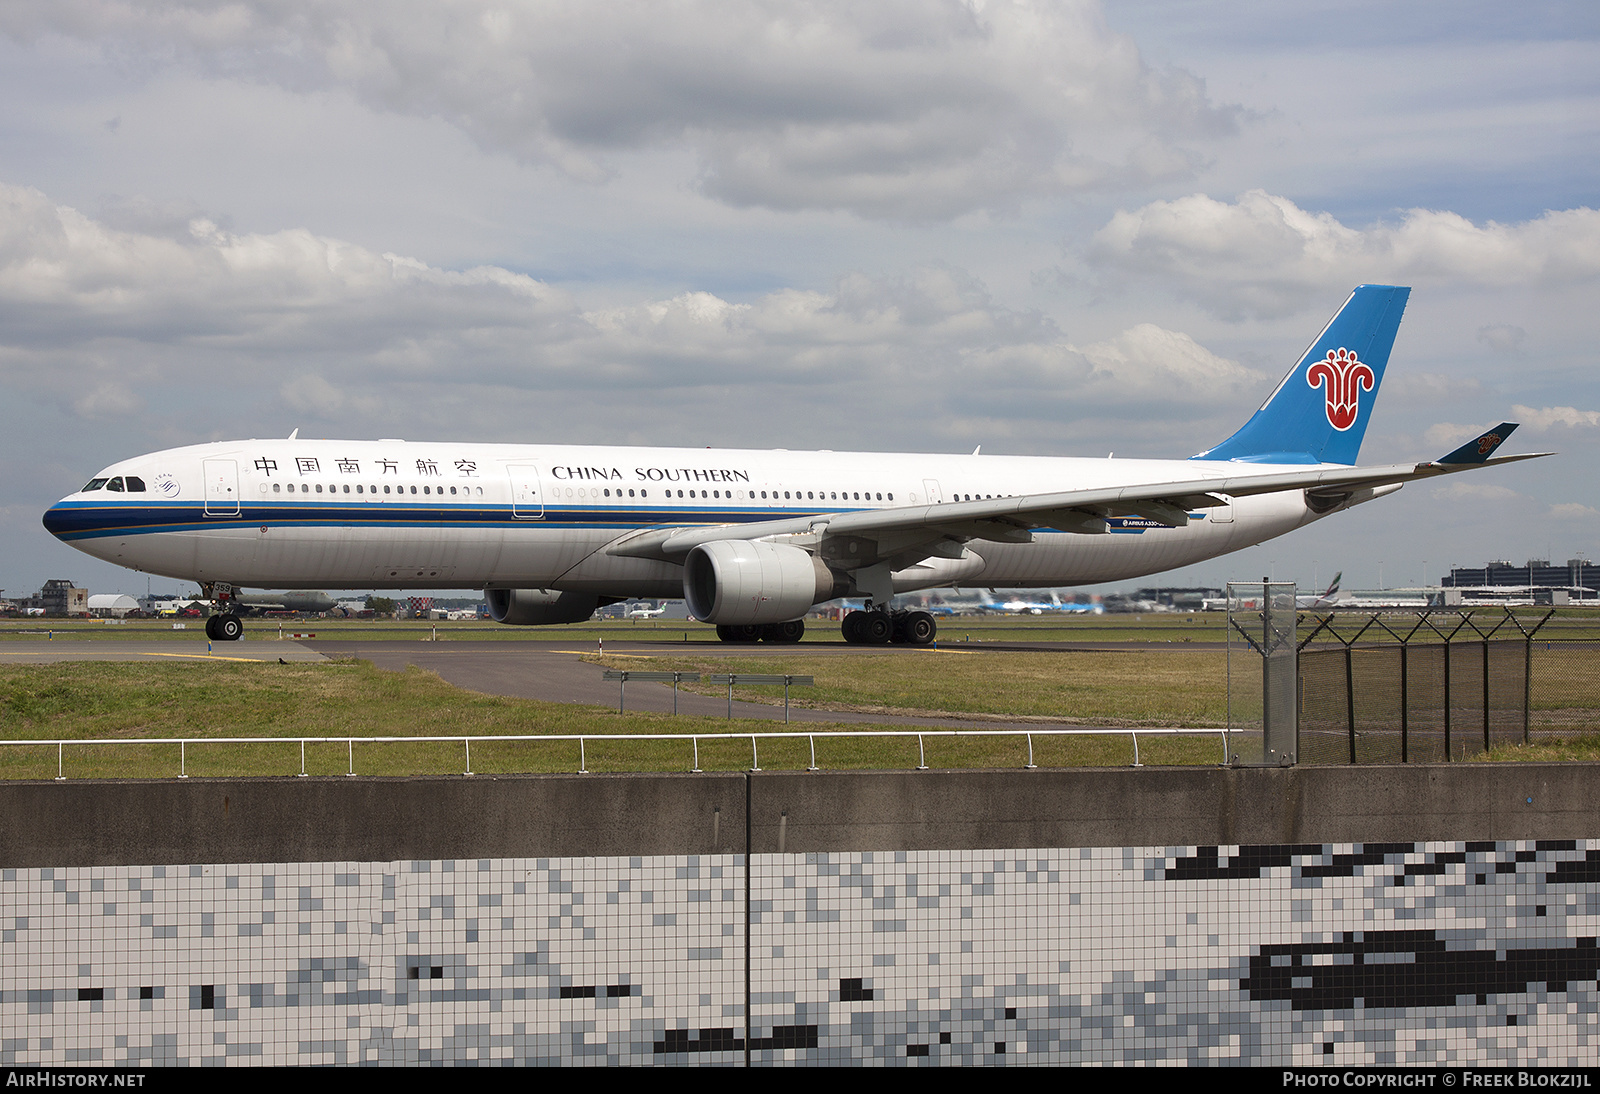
{"x": 583, "y": 740}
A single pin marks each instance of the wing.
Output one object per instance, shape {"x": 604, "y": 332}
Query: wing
{"x": 906, "y": 535}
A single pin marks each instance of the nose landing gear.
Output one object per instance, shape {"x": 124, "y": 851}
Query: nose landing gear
{"x": 223, "y": 625}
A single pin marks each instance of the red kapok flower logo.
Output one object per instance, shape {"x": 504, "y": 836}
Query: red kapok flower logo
{"x": 1344, "y": 378}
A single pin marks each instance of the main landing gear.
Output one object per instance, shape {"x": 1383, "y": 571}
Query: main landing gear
{"x": 224, "y": 624}
{"x": 792, "y": 631}
{"x": 879, "y": 628}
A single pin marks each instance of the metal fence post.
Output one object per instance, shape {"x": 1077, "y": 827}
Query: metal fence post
{"x": 1449, "y": 698}
{"x": 1350, "y": 699}
{"x": 1486, "y": 695}
{"x": 1405, "y": 702}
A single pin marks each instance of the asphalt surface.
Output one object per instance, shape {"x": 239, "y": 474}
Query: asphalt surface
{"x": 552, "y": 671}
{"x": 45, "y": 652}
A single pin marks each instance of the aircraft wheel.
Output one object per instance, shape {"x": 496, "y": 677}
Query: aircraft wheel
{"x": 229, "y": 628}
{"x": 743, "y": 632}
{"x": 791, "y": 631}
{"x": 211, "y": 627}
{"x": 850, "y": 629}
{"x": 877, "y": 629}
{"x": 920, "y": 629}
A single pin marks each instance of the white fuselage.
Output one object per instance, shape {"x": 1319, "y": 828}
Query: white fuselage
{"x": 310, "y": 514}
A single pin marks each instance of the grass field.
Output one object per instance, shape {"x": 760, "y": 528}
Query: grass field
{"x": 1122, "y": 688}
{"x": 1140, "y": 685}
{"x": 198, "y": 700}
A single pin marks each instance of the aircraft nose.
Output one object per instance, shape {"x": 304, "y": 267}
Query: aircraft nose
{"x": 58, "y": 520}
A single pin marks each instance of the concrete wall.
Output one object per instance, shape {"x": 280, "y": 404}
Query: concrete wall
{"x": 106, "y": 822}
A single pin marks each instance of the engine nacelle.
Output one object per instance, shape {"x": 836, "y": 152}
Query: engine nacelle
{"x": 536, "y": 607}
{"x": 736, "y": 581}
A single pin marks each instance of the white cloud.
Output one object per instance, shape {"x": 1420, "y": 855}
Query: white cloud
{"x": 1263, "y": 255}
{"x": 1551, "y": 416}
{"x": 902, "y": 109}
{"x": 301, "y": 327}
{"x": 1573, "y": 511}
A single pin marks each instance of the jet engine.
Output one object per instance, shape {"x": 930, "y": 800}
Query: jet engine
{"x": 735, "y": 581}
{"x": 535, "y": 607}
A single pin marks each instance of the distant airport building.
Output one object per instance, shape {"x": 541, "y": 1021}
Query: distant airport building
{"x": 112, "y": 605}
{"x": 1534, "y": 581}
{"x": 58, "y": 597}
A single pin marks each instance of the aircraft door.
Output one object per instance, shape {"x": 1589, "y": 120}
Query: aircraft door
{"x": 222, "y": 488}
{"x": 527, "y": 500}
{"x": 935, "y": 495}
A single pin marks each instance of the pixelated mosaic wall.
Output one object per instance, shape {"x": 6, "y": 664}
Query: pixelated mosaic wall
{"x": 1338, "y": 954}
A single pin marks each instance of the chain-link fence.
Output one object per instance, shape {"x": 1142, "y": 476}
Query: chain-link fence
{"x": 1420, "y": 687}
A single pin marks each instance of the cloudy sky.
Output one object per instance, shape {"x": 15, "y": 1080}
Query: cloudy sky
{"x": 1044, "y": 227}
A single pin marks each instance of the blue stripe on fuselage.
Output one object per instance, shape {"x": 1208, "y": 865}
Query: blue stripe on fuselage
{"x": 70, "y": 521}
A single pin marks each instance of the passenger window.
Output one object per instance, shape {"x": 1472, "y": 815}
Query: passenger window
{"x": 452, "y": 491}
{"x": 319, "y": 488}
{"x": 385, "y": 489}
{"x": 276, "y": 487}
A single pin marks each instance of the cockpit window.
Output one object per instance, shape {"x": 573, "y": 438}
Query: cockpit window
{"x": 93, "y": 484}
{"x": 135, "y": 484}
{"x": 115, "y": 484}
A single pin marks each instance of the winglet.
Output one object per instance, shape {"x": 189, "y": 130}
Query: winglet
{"x": 1480, "y": 449}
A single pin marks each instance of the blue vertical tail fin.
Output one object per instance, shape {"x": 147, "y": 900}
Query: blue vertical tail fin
{"x": 1319, "y": 412}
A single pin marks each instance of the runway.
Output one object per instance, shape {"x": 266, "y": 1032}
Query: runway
{"x": 34, "y": 652}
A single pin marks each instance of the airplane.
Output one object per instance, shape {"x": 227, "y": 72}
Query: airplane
{"x": 1019, "y": 606}
{"x": 751, "y": 539}
{"x": 1253, "y": 603}
{"x": 297, "y": 600}
{"x": 639, "y": 611}
{"x": 1326, "y": 600}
